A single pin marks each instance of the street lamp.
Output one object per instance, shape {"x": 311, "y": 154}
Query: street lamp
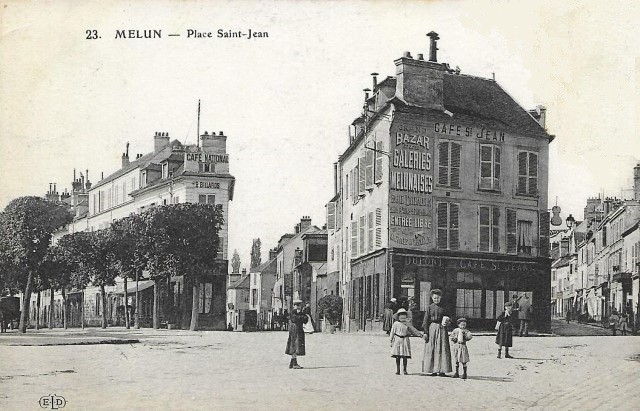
{"x": 570, "y": 221}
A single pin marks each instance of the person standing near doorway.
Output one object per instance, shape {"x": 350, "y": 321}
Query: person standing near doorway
{"x": 524, "y": 315}
{"x": 387, "y": 316}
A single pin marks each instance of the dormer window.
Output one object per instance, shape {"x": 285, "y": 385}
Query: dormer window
{"x": 165, "y": 170}
{"x": 143, "y": 179}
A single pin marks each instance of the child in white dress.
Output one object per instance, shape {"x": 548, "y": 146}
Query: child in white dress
{"x": 459, "y": 338}
{"x": 400, "y": 345}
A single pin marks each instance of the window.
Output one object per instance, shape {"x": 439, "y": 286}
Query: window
{"x": 370, "y": 237}
{"x": 220, "y": 255}
{"x": 379, "y": 172}
{"x": 489, "y": 230}
{"x": 206, "y": 167}
{"x": 332, "y": 254}
{"x": 98, "y": 304}
{"x": 207, "y": 198}
{"x": 254, "y": 297}
{"x": 524, "y": 237}
{"x": 362, "y": 234}
{"x": 489, "y": 167}
{"x": 449, "y": 164}
{"x": 165, "y": 170}
{"x": 143, "y": 179}
{"x": 527, "y": 173}
{"x": 447, "y": 237}
{"x": 331, "y": 216}
{"x": 205, "y": 296}
{"x": 468, "y": 303}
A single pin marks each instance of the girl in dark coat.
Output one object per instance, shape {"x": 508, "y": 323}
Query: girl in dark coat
{"x": 505, "y": 330}
{"x": 295, "y": 343}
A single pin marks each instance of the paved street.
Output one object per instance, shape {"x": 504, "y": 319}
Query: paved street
{"x": 223, "y": 370}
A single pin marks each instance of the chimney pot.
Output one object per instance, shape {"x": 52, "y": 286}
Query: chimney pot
{"x": 375, "y": 80}
{"x": 433, "y": 46}
{"x": 407, "y": 55}
{"x": 420, "y": 56}
{"x": 221, "y": 133}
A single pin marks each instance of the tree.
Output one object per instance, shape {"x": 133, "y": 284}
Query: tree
{"x": 129, "y": 250}
{"x": 92, "y": 251}
{"x": 256, "y": 256}
{"x": 26, "y": 227}
{"x": 330, "y": 307}
{"x": 235, "y": 262}
{"x": 183, "y": 240}
{"x": 61, "y": 264}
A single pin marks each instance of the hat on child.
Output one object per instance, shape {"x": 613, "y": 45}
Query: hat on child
{"x": 401, "y": 311}
{"x": 393, "y": 300}
{"x": 461, "y": 319}
{"x": 436, "y": 291}
{"x": 297, "y": 301}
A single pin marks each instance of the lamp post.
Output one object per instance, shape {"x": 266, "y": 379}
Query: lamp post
{"x": 570, "y": 221}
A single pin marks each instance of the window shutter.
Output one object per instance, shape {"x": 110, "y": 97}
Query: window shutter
{"x": 338, "y": 214}
{"x": 496, "y": 168}
{"x": 511, "y": 231}
{"x": 485, "y": 166}
{"x": 543, "y": 234}
{"x": 495, "y": 229}
{"x": 378, "y": 227}
{"x": 533, "y": 173}
{"x": 361, "y": 239}
{"x": 522, "y": 173}
{"x": 442, "y": 226}
{"x": 211, "y": 199}
{"x": 454, "y": 238}
{"x": 370, "y": 235}
{"x": 484, "y": 231}
{"x": 443, "y": 163}
{"x": 454, "y": 179}
{"x": 202, "y": 199}
{"x": 331, "y": 216}
{"x": 354, "y": 238}
{"x": 378, "y": 166}
{"x": 369, "y": 158}
{"x": 361, "y": 174}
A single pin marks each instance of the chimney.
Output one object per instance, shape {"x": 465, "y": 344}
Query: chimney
{"x": 433, "y": 46}
{"x": 375, "y": 80}
{"x": 160, "y": 140}
{"x": 273, "y": 253}
{"x": 51, "y": 194}
{"x": 87, "y": 185}
{"x": 297, "y": 228}
{"x": 335, "y": 179}
{"x": 212, "y": 143}
{"x": 636, "y": 182}
{"x": 305, "y": 222}
{"x": 540, "y": 114}
{"x": 125, "y": 157}
{"x": 420, "y": 82}
{"x": 244, "y": 271}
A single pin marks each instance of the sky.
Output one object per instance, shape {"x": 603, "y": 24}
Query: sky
{"x": 285, "y": 102}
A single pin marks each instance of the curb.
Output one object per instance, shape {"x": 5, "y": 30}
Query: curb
{"x": 100, "y": 342}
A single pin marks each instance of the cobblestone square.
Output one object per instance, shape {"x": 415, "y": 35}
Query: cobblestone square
{"x": 230, "y": 371}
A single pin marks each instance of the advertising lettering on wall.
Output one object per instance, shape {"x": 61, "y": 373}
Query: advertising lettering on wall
{"x": 410, "y": 187}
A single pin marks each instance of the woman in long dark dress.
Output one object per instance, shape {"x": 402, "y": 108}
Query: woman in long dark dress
{"x": 437, "y": 353}
{"x": 388, "y": 315}
{"x": 295, "y": 342}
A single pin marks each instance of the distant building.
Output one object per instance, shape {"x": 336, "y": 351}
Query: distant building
{"x": 443, "y": 185}
{"x": 173, "y": 173}
{"x": 238, "y": 302}
{"x": 261, "y": 282}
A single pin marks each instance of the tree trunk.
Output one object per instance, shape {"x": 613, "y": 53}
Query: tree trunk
{"x": 195, "y": 306}
{"x": 156, "y": 304}
{"x": 137, "y": 315}
{"x": 38, "y": 311}
{"x": 64, "y": 308}
{"x": 26, "y": 302}
{"x": 103, "y": 298}
{"x": 126, "y": 305}
{"x": 51, "y": 303}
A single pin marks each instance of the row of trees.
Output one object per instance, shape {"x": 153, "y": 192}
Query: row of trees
{"x": 164, "y": 241}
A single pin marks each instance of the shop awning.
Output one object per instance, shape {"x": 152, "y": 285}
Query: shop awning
{"x": 131, "y": 287}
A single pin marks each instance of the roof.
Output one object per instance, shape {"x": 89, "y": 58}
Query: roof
{"x": 243, "y": 282}
{"x": 561, "y": 262}
{"x": 484, "y": 99}
{"x": 262, "y": 267}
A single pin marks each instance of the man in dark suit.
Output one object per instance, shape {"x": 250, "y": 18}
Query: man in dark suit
{"x": 524, "y": 315}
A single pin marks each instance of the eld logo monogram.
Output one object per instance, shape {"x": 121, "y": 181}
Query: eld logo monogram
{"x": 53, "y": 402}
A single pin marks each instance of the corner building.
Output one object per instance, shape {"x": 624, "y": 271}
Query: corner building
{"x": 443, "y": 185}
